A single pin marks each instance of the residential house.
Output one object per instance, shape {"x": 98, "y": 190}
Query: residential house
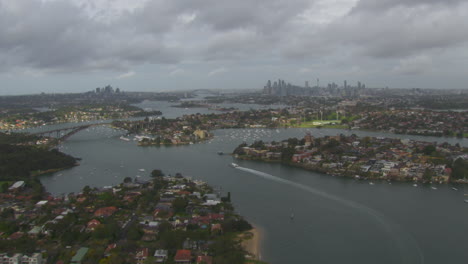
{"x": 35, "y": 258}
{"x": 183, "y": 256}
{"x": 141, "y": 255}
{"x": 16, "y": 186}
{"x": 91, "y": 226}
{"x": 105, "y": 211}
{"x": 160, "y": 255}
{"x": 80, "y": 254}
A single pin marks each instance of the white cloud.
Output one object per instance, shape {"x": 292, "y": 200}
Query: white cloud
{"x": 126, "y": 75}
{"x": 176, "y": 72}
{"x": 217, "y": 71}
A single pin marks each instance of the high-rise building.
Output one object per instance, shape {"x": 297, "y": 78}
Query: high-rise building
{"x": 306, "y": 84}
{"x": 345, "y": 84}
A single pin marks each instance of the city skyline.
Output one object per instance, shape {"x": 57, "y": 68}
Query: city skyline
{"x": 58, "y": 46}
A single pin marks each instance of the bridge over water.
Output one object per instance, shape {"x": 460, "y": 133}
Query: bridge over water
{"x": 66, "y": 132}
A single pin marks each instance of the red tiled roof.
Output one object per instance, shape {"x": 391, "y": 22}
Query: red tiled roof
{"x": 93, "y": 223}
{"x": 110, "y": 247}
{"x": 105, "y": 211}
{"x": 15, "y": 235}
{"x": 183, "y": 255}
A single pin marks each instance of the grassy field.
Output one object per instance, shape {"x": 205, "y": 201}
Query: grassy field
{"x": 320, "y": 123}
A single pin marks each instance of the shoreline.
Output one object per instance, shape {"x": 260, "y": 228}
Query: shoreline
{"x": 252, "y": 242}
{"x": 346, "y": 174}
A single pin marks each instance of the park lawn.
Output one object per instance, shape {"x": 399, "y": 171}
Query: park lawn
{"x": 319, "y": 123}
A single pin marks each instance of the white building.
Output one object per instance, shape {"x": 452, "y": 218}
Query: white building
{"x": 18, "y": 258}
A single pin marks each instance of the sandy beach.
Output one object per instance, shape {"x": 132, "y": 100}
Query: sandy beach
{"x": 251, "y": 242}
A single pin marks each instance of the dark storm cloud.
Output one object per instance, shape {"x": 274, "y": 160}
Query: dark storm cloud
{"x": 267, "y": 16}
{"x": 388, "y": 29}
{"x": 62, "y": 36}
{"x": 58, "y": 36}
{"x": 400, "y": 28}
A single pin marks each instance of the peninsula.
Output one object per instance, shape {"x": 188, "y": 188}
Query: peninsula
{"x": 366, "y": 157}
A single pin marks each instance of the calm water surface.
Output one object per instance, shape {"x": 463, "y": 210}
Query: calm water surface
{"x": 336, "y": 220}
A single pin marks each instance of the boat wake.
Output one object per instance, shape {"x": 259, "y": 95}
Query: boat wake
{"x": 410, "y": 252}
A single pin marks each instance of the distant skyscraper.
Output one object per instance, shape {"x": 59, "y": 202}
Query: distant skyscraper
{"x": 345, "y": 85}
{"x": 269, "y": 84}
{"x": 306, "y": 84}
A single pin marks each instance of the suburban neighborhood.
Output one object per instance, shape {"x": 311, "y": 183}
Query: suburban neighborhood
{"x": 168, "y": 219}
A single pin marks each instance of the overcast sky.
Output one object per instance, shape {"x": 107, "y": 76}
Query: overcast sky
{"x": 160, "y": 45}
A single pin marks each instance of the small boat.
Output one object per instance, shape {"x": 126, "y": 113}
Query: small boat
{"x": 220, "y": 153}
{"x": 124, "y": 138}
{"x": 415, "y": 185}
{"x": 371, "y": 183}
{"x": 455, "y": 189}
{"x": 434, "y": 188}
{"x": 466, "y": 200}
{"x": 141, "y": 169}
{"x": 234, "y": 165}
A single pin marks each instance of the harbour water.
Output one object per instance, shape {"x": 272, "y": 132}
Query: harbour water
{"x": 335, "y": 220}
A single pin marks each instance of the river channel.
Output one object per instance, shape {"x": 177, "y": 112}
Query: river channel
{"x": 336, "y": 220}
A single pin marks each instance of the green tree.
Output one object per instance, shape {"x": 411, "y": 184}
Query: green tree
{"x": 429, "y": 149}
{"x": 4, "y": 187}
{"x": 460, "y": 169}
{"x": 227, "y": 251}
{"x": 427, "y": 176}
{"x": 157, "y": 173}
{"x": 134, "y": 233}
{"x": 179, "y": 204}
{"x": 127, "y": 180}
